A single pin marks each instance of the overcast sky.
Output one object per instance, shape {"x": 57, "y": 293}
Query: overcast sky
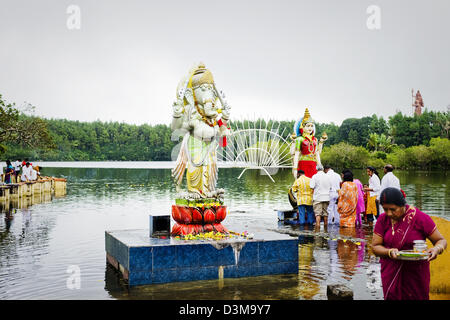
{"x": 271, "y": 58}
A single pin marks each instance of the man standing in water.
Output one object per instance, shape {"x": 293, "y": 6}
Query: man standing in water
{"x": 389, "y": 180}
{"x": 304, "y": 198}
{"x": 373, "y": 195}
{"x": 335, "y": 180}
{"x": 321, "y": 185}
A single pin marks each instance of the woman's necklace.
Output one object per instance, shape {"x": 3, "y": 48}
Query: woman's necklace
{"x": 392, "y": 224}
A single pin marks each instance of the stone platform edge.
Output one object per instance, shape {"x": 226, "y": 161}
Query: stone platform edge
{"x": 143, "y": 260}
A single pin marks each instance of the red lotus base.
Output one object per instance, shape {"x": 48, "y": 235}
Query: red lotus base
{"x": 194, "y": 220}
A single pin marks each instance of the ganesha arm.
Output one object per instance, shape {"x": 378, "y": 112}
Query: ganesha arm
{"x": 177, "y": 115}
{"x": 180, "y": 165}
{"x": 223, "y": 130}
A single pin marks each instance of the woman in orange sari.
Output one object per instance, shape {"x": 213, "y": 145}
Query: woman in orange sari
{"x": 348, "y": 199}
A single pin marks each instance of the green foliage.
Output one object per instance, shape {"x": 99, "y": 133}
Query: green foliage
{"x": 376, "y": 162}
{"x": 99, "y": 141}
{"x": 440, "y": 152}
{"x": 353, "y": 137}
{"x": 355, "y": 131}
{"x": 419, "y": 130}
{"x": 380, "y": 155}
{"x": 20, "y": 130}
{"x": 344, "y": 155}
{"x": 380, "y": 142}
{"x": 436, "y": 156}
{"x": 331, "y": 130}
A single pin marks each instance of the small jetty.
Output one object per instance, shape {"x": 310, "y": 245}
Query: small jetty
{"x": 45, "y": 186}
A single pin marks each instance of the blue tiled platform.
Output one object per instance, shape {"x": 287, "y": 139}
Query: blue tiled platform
{"x": 144, "y": 260}
{"x": 286, "y": 214}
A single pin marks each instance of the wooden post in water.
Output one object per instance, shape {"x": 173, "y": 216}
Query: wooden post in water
{"x": 4, "y": 193}
{"x": 22, "y": 194}
{"x": 15, "y": 191}
{"x": 29, "y": 190}
{"x": 59, "y": 186}
{"x": 47, "y": 185}
{"x": 37, "y": 187}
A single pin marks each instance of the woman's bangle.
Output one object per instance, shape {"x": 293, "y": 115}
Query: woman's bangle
{"x": 389, "y": 253}
{"x": 441, "y": 249}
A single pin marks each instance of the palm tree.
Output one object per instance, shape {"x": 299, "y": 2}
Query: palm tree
{"x": 392, "y": 133}
{"x": 385, "y": 143}
{"x": 373, "y": 142}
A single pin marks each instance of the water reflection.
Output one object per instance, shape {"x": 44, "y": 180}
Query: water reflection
{"x": 308, "y": 285}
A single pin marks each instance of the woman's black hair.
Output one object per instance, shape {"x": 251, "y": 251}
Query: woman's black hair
{"x": 392, "y": 196}
{"x": 373, "y": 170}
{"x": 348, "y": 175}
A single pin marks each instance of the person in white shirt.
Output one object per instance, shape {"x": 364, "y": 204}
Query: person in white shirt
{"x": 374, "y": 193}
{"x": 389, "y": 180}
{"x": 17, "y": 166}
{"x": 320, "y": 183}
{"x": 33, "y": 175}
{"x": 335, "y": 180}
{"x": 26, "y": 172}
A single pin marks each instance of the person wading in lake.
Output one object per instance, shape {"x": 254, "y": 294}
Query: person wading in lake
{"x": 321, "y": 185}
{"x": 304, "y": 196}
{"x": 348, "y": 200}
{"x": 360, "y": 207}
{"x": 389, "y": 180}
{"x": 335, "y": 180}
{"x": 373, "y": 190}
{"x": 395, "y": 230}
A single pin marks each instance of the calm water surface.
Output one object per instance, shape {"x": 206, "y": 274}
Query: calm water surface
{"x": 42, "y": 237}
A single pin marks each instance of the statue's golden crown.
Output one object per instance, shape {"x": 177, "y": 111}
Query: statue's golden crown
{"x": 201, "y": 76}
{"x": 306, "y": 118}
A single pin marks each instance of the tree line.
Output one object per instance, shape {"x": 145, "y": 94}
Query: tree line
{"x": 405, "y": 141}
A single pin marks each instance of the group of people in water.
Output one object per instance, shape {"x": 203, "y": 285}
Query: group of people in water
{"x": 19, "y": 170}
{"x": 344, "y": 200}
{"x": 340, "y": 198}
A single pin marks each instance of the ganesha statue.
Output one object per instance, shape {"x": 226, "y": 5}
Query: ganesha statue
{"x": 200, "y": 115}
{"x": 305, "y": 148}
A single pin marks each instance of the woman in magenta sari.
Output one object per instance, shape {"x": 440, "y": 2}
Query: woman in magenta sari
{"x": 360, "y": 207}
{"x": 395, "y": 230}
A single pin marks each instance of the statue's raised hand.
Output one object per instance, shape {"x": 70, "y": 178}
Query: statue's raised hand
{"x": 178, "y": 108}
{"x": 226, "y": 113}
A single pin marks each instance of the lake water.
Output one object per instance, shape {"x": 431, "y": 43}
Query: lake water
{"x": 42, "y": 239}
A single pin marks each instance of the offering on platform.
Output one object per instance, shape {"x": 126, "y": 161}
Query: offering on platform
{"x": 200, "y": 116}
